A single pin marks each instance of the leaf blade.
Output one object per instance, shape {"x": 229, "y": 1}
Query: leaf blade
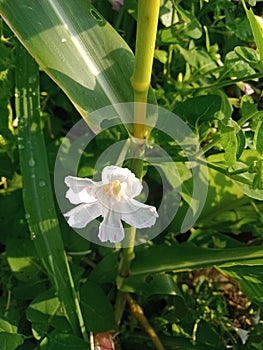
{"x": 185, "y": 257}
{"x": 75, "y": 45}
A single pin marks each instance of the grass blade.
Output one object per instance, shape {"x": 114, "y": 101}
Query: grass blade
{"x": 37, "y": 192}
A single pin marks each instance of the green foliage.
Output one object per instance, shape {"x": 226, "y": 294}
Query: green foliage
{"x": 187, "y": 256}
{"x": 44, "y": 312}
{"x": 64, "y": 341}
{"x": 97, "y": 310}
{"x": 205, "y": 69}
{"x": 9, "y": 337}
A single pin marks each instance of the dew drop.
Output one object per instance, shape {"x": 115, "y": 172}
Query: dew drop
{"x": 50, "y": 210}
{"x": 33, "y": 235}
{"x": 27, "y": 216}
{"x": 31, "y": 162}
{"x": 63, "y": 40}
{"x": 42, "y": 183}
{"x": 20, "y": 146}
{"x": 31, "y": 80}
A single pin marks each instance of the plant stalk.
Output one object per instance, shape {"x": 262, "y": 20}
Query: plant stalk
{"x": 138, "y": 313}
{"x": 147, "y": 22}
{"x": 148, "y": 14}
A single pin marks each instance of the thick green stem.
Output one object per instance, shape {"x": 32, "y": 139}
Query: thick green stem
{"x": 148, "y": 13}
{"x": 136, "y": 166}
{"x": 37, "y": 191}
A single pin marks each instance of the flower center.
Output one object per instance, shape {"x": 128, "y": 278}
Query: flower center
{"x": 112, "y": 189}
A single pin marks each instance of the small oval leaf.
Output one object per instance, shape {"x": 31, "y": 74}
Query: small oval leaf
{"x": 258, "y": 138}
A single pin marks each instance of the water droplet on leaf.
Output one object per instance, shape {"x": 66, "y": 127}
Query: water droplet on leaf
{"x": 33, "y": 235}
{"x": 31, "y": 162}
{"x": 42, "y": 183}
{"x": 31, "y": 80}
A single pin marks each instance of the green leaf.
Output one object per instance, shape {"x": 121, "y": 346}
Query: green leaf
{"x": 175, "y": 173}
{"x": 141, "y": 342}
{"x": 199, "y": 59}
{"x": 6, "y": 326}
{"x": 10, "y": 341}
{"x": 150, "y": 285}
{"x": 249, "y": 111}
{"x": 199, "y": 108}
{"x": 247, "y": 106}
{"x": 252, "y": 2}
{"x": 9, "y": 338}
{"x": 213, "y": 237}
{"x": 247, "y": 54}
{"x": 252, "y": 183}
{"x": 229, "y": 141}
{"x": 75, "y": 45}
{"x": 180, "y": 177}
{"x": 161, "y": 55}
{"x": 42, "y": 311}
{"x": 98, "y": 312}
{"x": 226, "y": 108}
{"x": 256, "y": 24}
{"x": 187, "y": 257}
{"x": 207, "y": 334}
{"x": 192, "y": 27}
{"x": 167, "y": 36}
{"x": 106, "y": 270}
{"x": 258, "y": 138}
{"x": 74, "y": 243}
{"x": 21, "y": 256}
{"x": 237, "y": 67}
{"x": 12, "y": 226}
{"x": 37, "y": 189}
{"x": 223, "y": 194}
{"x": 253, "y": 190}
{"x": 28, "y": 290}
{"x": 241, "y": 143}
{"x": 166, "y": 14}
{"x": 62, "y": 341}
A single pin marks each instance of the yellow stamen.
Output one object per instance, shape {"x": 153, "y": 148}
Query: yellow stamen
{"x": 112, "y": 189}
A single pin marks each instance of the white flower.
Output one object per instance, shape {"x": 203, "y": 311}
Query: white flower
{"x": 111, "y": 198}
{"x": 243, "y": 334}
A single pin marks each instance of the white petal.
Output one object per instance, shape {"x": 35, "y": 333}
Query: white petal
{"x": 130, "y": 184}
{"x": 112, "y": 173}
{"x": 80, "y": 216}
{"x": 80, "y": 197}
{"x": 78, "y": 184}
{"x": 111, "y": 228}
{"x": 243, "y": 334}
{"x": 137, "y": 214}
{"x": 134, "y": 187}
